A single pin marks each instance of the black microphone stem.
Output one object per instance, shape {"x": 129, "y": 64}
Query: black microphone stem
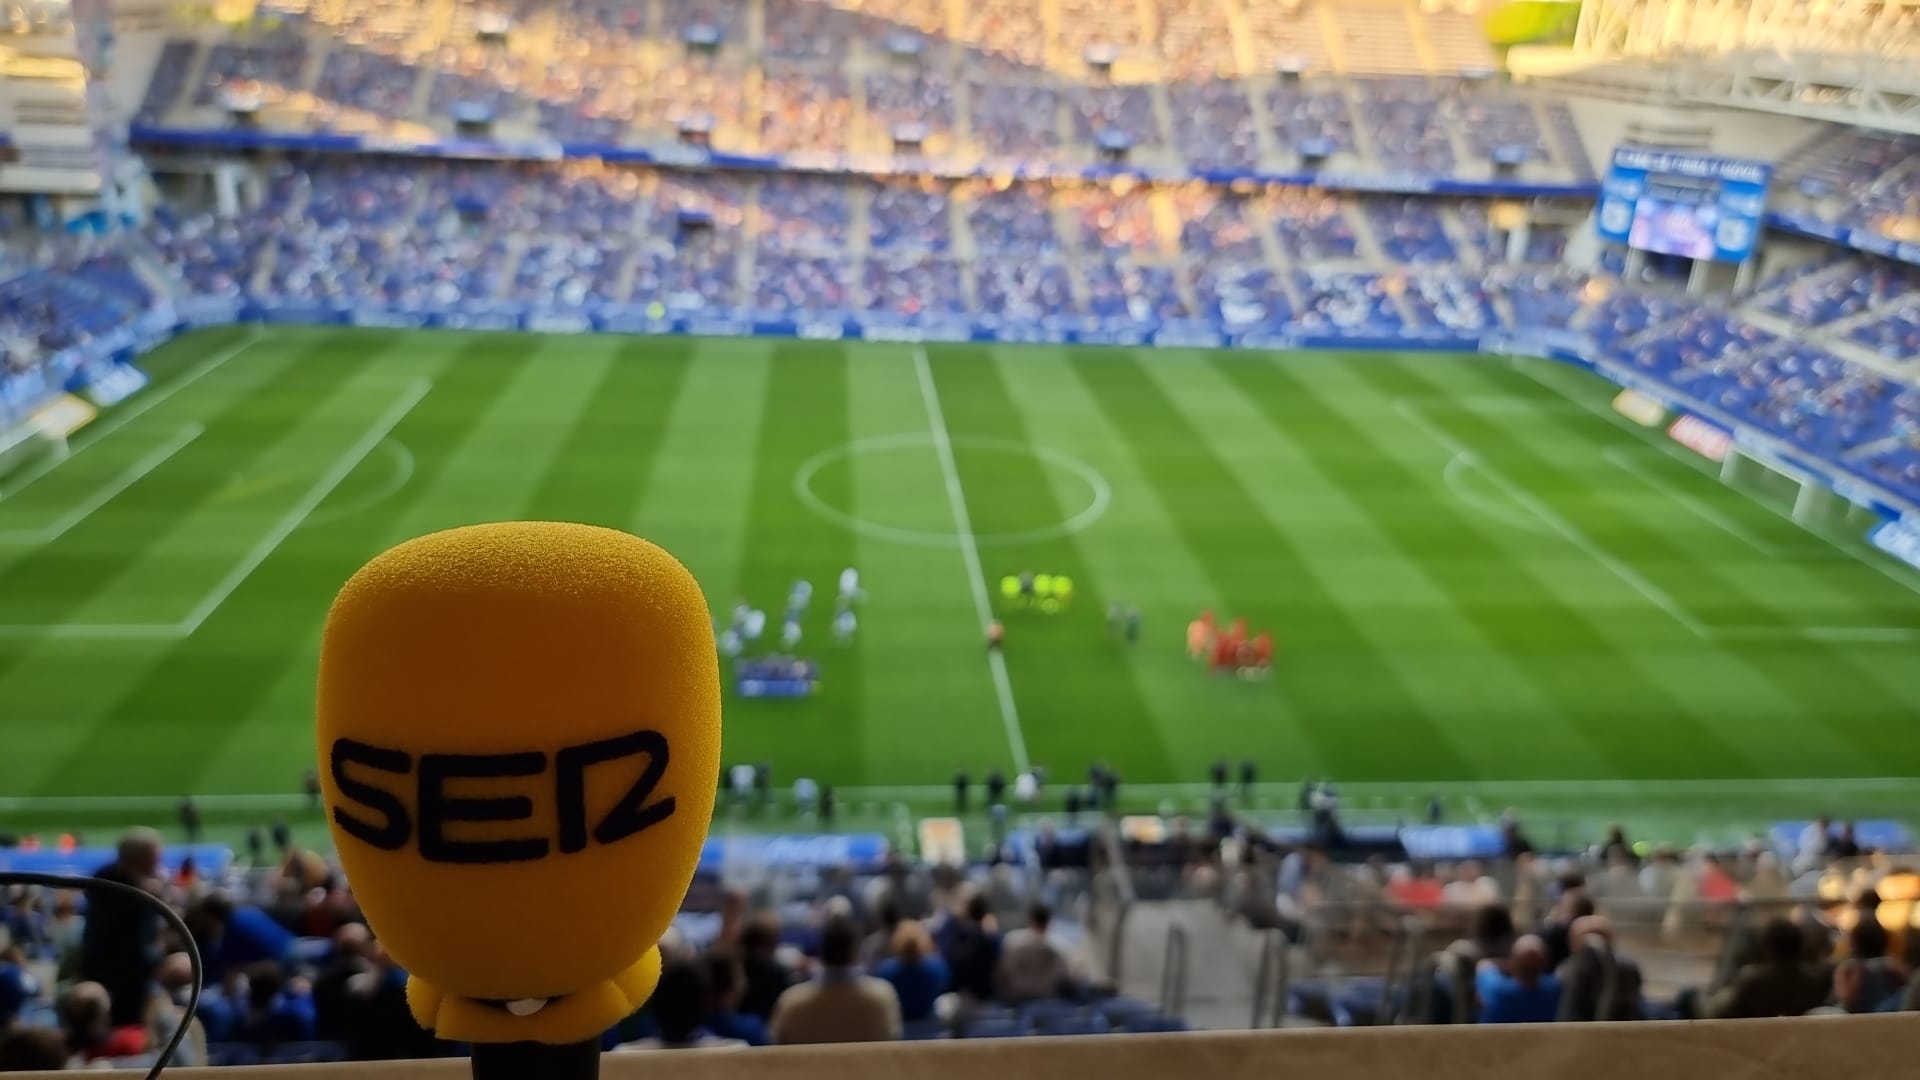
{"x": 536, "y": 1061}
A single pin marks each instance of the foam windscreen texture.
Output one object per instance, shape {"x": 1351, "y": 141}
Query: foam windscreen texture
{"x": 519, "y": 739}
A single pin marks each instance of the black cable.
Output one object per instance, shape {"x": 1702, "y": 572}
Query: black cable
{"x": 93, "y": 884}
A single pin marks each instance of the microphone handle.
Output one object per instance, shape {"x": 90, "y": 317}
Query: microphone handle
{"x": 536, "y": 1061}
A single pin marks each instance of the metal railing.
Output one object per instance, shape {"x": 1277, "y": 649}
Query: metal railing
{"x": 1173, "y": 973}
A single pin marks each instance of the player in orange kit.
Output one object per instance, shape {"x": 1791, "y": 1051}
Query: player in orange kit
{"x": 1259, "y": 655}
{"x": 1200, "y": 636}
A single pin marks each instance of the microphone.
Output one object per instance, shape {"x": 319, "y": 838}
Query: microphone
{"x": 519, "y": 730}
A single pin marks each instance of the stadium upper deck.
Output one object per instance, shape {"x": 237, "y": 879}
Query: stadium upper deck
{"x": 1184, "y": 82}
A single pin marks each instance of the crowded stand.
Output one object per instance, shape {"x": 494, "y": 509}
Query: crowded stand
{"x": 1213, "y": 124}
{"x": 1809, "y": 918}
{"x": 1409, "y": 230}
{"x": 1015, "y": 119}
{"x": 1008, "y": 943}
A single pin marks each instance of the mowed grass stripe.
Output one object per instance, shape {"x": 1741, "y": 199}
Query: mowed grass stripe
{"x": 1800, "y": 590}
{"x": 1692, "y": 581}
{"x": 1506, "y": 687}
{"x": 60, "y": 582}
{"x": 599, "y": 476}
{"x": 919, "y": 635}
{"x": 68, "y": 687}
{"x": 1818, "y": 569}
{"x": 805, "y": 411}
{"x": 1351, "y": 693}
{"x": 258, "y": 650}
{"x": 1067, "y": 680}
{"x": 492, "y": 430}
{"x": 700, "y": 488}
{"x": 1137, "y": 555}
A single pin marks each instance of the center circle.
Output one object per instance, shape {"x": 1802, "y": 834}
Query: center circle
{"x": 1101, "y": 492}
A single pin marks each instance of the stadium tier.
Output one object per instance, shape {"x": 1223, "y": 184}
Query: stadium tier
{"x": 1532, "y": 481}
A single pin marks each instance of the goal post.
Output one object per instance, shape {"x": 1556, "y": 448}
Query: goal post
{"x": 28, "y": 444}
{"x": 39, "y": 438}
{"x": 1811, "y": 498}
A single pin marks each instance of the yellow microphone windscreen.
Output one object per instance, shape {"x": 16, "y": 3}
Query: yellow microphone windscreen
{"x": 519, "y": 741}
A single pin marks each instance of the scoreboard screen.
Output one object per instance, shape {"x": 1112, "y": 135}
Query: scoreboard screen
{"x": 1693, "y": 205}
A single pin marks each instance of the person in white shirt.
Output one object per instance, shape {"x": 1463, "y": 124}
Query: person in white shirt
{"x": 842, "y": 1005}
{"x": 1032, "y": 966}
{"x": 801, "y": 595}
{"x": 1816, "y": 841}
{"x": 849, "y": 585}
{"x": 843, "y": 626}
{"x": 756, "y": 625}
{"x": 790, "y": 635}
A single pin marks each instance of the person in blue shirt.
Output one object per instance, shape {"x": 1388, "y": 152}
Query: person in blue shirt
{"x": 234, "y": 936}
{"x": 278, "y": 1009}
{"x": 1518, "y": 991}
{"x": 17, "y": 987}
{"x": 918, "y": 973}
{"x": 726, "y": 986}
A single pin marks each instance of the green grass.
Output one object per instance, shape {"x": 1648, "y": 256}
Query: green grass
{"x": 1481, "y": 580}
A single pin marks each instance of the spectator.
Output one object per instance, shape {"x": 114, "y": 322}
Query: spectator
{"x": 1816, "y": 842}
{"x": 841, "y": 1005}
{"x": 917, "y": 973}
{"x": 879, "y": 944}
{"x": 120, "y": 946}
{"x": 380, "y": 1025}
{"x": 1520, "y": 991}
{"x": 234, "y": 936}
{"x": 1583, "y": 976}
{"x": 32, "y": 1049}
{"x": 279, "y": 1009}
{"x": 1781, "y": 983}
{"x": 726, "y": 985}
{"x": 350, "y": 945}
{"x": 1032, "y": 967}
{"x": 767, "y": 978}
{"x": 680, "y": 1006}
{"x": 970, "y": 944}
{"x": 1490, "y": 934}
{"x": 86, "y": 1014}
{"x": 17, "y": 986}
{"x": 1850, "y": 994}
{"x": 1557, "y": 932}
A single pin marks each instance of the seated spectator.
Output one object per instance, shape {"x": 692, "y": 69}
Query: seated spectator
{"x": 380, "y": 1026}
{"x": 767, "y": 978}
{"x": 726, "y": 986}
{"x": 86, "y": 1019}
{"x": 1490, "y": 934}
{"x": 917, "y": 973}
{"x": 1850, "y": 994}
{"x": 680, "y": 1005}
{"x": 1780, "y": 983}
{"x": 32, "y": 1049}
{"x": 841, "y": 1005}
{"x": 1583, "y": 976}
{"x": 17, "y": 986}
{"x": 278, "y": 1009}
{"x": 1518, "y": 991}
{"x": 350, "y": 945}
{"x": 1032, "y": 966}
{"x": 233, "y": 936}
{"x": 971, "y": 946}
{"x": 879, "y": 944}
{"x": 1574, "y": 904}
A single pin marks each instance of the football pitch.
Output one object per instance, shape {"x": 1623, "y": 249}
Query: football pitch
{"x": 1482, "y": 582}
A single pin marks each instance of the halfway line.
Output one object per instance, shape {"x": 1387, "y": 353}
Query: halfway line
{"x": 970, "y": 554}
